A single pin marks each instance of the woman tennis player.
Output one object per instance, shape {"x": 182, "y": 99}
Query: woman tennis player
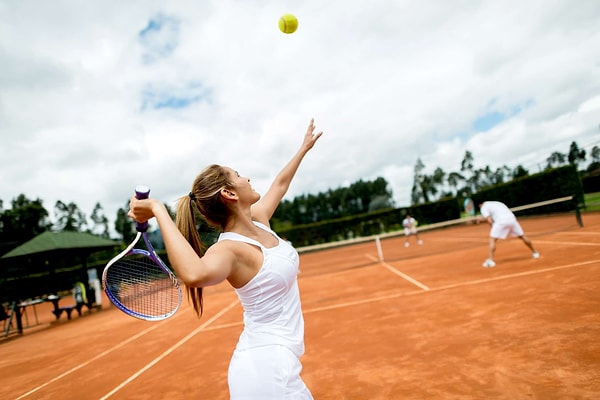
{"x": 261, "y": 267}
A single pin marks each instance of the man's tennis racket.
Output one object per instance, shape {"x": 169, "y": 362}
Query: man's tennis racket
{"x": 469, "y": 207}
{"x": 138, "y": 282}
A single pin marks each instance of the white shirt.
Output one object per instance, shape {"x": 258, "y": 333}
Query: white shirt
{"x": 409, "y": 222}
{"x": 498, "y": 211}
{"x": 271, "y": 299}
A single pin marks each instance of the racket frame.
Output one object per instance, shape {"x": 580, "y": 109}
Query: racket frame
{"x": 141, "y": 192}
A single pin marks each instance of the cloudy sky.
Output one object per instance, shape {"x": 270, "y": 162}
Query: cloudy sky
{"x": 97, "y": 97}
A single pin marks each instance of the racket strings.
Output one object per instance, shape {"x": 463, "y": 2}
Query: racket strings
{"x": 143, "y": 287}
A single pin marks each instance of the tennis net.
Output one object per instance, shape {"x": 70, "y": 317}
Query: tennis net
{"x": 544, "y": 217}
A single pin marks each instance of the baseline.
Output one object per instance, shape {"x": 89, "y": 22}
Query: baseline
{"x": 169, "y": 350}
{"x": 566, "y": 243}
{"x": 446, "y": 287}
{"x": 96, "y": 357}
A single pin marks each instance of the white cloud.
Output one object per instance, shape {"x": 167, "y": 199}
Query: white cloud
{"x": 91, "y": 107}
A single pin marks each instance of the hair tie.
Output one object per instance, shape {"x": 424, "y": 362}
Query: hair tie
{"x": 192, "y": 197}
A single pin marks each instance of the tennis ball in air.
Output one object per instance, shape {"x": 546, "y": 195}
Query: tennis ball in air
{"x": 288, "y": 23}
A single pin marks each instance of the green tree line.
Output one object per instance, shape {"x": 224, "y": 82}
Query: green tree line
{"x": 468, "y": 179}
{"x": 26, "y": 218}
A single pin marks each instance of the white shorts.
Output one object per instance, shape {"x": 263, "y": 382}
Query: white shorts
{"x": 266, "y": 373}
{"x": 501, "y": 231}
{"x": 408, "y": 231}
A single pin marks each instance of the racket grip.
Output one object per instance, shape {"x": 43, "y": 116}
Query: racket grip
{"x": 142, "y": 192}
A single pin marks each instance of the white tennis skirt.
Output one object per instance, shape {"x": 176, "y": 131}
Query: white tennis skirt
{"x": 266, "y": 373}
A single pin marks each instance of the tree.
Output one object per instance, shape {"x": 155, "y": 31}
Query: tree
{"x": 100, "y": 222}
{"x": 438, "y": 179}
{"x": 519, "y": 172}
{"x": 595, "y": 154}
{"x": 575, "y": 154}
{"x": 419, "y": 192}
{"x": 454, "y": 179}
{"x": 466, "y": 167}
{"x": 556, "y": 159}
{"x": 23, "y": 221}
{"x": 69, "y": 217}
{"x": 474, "y": 181}
{"x": 124, "y": 224}
{"x": 500, "y": 175}
{"x": 380, "y": 202}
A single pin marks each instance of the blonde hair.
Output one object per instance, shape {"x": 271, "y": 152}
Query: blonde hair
{"x": 206, "y": 196}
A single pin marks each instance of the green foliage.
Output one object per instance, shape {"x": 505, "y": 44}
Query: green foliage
{"x": 549, "y": 184}
{"x": 100, "y": 222}
{"x": 359, "y": 197}
{"x": 576, "y": 154}
{"x": 25, "y": 220}
{"x": 69, "y": 217}
{"x": 592, "y": 201}
{"x": 123, "y": 224}
{"x": 366, "y": 224}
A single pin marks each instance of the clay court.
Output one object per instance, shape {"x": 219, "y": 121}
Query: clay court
{"x": 427, "y": 322}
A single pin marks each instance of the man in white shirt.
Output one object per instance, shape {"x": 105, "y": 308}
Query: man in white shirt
{"x": 410, "y": 228}
{"x": 504, "y": 223}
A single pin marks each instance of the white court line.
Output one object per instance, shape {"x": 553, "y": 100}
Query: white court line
{"x": 399, "y": 273}
{"x": 446, "y": 287}
{"x": 566, "y": 243}
{"x": 515, "y": 275}
{"x": 104, "y": 353}
{"x": 580, "y": 233}
{"x": 169, "y": 351}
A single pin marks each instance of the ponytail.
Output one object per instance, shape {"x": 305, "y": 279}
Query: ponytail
{"x": 204, "y": 199}
{"x": 185, "y": 220}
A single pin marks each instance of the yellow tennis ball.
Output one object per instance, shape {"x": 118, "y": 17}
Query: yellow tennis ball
{"x": 288, "y": 23}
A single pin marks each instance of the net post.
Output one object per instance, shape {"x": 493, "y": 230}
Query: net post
{"x": 379, "y": 251}
{"x": 577, "y": 212}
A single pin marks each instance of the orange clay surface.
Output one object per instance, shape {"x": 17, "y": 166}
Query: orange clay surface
{"x": 427, "y": 323}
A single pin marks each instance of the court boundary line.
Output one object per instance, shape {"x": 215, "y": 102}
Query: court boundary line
{"x": 452, "y": 286}
{"x": 96, "y": 357}
{"x": 399, "y": 273}
{"x": 169, "y": 350}
{"x": 567, "y": 243}
{"x": 417, "y": 292}
{"x": 580, "y": 233}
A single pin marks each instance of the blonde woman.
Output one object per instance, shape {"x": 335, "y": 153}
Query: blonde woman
{"x": 261, "y": 267}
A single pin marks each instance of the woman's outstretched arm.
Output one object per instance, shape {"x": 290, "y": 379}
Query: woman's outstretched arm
{"x": 264, "y": 209}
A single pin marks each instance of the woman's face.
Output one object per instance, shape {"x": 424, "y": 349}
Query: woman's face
{"x": 242, "y": 187}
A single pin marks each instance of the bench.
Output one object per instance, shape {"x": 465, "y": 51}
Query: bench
{"x": 78, "y": 307}
{"x": 68, "y": 310}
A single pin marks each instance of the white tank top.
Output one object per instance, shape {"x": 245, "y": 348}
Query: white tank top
{"x": 271, "y": 300}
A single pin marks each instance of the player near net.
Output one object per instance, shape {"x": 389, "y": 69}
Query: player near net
{"x": 504, "y": 223}
{"x": 410, "y": 228}
{"x": 261, "y": 267}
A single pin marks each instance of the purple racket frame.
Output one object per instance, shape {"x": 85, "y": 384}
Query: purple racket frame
{"x": 142, "y": 192}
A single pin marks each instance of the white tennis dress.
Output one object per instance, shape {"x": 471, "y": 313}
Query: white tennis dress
{"x": 266, "y": 361}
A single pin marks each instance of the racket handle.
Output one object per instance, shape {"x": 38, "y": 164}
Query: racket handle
{"x": 142, "y": 192}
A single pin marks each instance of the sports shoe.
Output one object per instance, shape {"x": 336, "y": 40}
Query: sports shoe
{"x": 406, "y": 244}
{"x": 489, "y": 263}
{"x": 536, "y": 254}
{"x": 420, "y": 242}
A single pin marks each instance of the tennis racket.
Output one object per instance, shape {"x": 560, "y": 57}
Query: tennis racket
{"x": 138, "y": 282}
{"x": 469, "y": 207}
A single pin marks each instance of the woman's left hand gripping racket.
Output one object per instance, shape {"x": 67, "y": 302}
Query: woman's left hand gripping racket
{"x": 138, "y": 282}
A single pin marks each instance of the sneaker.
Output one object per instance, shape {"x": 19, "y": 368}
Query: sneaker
{"x": 406, "y": 244}
{"x": 420, "y": 242}
{"x": 489, "y": 263}
{"x": 536, "y": 254}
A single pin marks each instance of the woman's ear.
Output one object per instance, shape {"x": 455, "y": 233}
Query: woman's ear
{"x": 228, "y": 194}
